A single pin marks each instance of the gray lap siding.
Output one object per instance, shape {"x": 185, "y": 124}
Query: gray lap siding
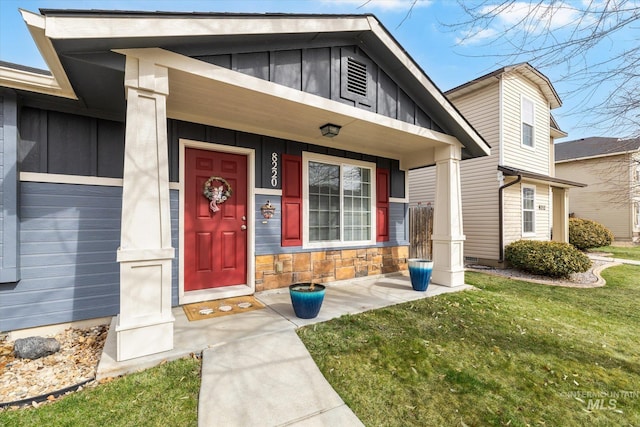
{"x": 68, "y": 240}
{"x": 69, "y": 233}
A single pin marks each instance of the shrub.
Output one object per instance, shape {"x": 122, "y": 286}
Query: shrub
{"x": 552, "y": 259}
{"x": 586, "y": 234}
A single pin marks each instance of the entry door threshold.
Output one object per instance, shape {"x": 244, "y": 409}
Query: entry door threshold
{"x": 190, "y": 297}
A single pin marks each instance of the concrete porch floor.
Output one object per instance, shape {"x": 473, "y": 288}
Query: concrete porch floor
{"x": 346, "y": 297}
{"x": 256, "y": 356}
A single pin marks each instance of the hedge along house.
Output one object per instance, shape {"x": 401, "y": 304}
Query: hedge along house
{"x": 110, "y": 156}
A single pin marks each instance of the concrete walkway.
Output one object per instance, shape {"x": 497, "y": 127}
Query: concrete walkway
{"x": 616, "y": 260}
{"x": 255, "y": 369}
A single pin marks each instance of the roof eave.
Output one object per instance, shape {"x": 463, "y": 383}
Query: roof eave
{"x": 556, "y": 182}
{"x": 94, "y": 25}
{"x": 58, "y": 83}
{"x": 525, "y": 68}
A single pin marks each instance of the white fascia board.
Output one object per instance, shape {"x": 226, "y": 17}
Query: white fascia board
{"x": 59, "y": 84}
{"x": 90, "y": 27}
{"x": 426, "y": 83}
{"x": 557, "y": 133}
{"x": 26, "y": 80}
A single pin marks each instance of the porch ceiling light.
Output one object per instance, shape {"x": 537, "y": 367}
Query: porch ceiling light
{"x": 330, "y": 130}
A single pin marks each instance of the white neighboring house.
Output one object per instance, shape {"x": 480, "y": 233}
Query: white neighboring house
{"x": 513, "y": 193}
{"x": 611, "y": 168}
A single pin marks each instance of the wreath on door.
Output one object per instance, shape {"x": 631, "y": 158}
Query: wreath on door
{"x": 217, "y": 194}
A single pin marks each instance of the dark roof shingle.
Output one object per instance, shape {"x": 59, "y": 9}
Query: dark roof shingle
{"x": 594, "y": 147}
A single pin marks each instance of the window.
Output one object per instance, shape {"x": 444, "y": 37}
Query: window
{"x": 527, "y": 122}
{"x": 528, "y": 210}
{"x": 341, "y": 201}
{"x": 637, "y": 214}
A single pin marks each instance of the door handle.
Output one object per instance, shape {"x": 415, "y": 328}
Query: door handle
{"x": 243, "y": 227}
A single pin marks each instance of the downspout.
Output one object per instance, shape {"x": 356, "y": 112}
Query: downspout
{"x": 500, "y": 215}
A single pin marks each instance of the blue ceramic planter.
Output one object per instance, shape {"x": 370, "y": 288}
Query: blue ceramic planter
{"x": 420, "y": 273}
{"x": 306, "y": 303}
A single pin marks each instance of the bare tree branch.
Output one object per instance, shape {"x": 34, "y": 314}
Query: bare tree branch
{"x": 555, "y": 34}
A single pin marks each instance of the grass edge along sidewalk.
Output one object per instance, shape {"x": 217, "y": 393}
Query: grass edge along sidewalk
{"x": 164, "y": 395}
{"x": 512, "y": 353}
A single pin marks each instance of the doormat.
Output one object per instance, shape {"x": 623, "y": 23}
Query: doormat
{"x": 221, "y": 307}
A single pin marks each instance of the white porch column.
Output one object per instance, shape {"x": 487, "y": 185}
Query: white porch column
{"x": 448, "y": 264}
{"x": 560, "y": 217}
{"x": 145, "y": 323}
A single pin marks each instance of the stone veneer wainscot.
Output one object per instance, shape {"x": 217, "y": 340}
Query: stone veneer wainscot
{"x": 278, "y": 271}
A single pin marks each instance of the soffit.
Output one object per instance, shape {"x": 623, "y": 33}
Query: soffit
{"x": 205, "y": 93}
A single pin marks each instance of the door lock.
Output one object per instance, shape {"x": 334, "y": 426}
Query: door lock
{"x": 243, "y": 227}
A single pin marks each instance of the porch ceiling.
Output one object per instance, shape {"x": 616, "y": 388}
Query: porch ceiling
{"x": 204, "y": 93}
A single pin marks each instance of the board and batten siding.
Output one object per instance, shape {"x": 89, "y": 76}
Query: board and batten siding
{"x": 516, "y": 155}
{"x": 513, "y": 213}
{"x": 322, "y": 71}
{"x": 603, "y": 199}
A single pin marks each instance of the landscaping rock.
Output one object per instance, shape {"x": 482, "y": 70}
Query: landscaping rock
{"x": 75, "y": 363}
{"x": 35, "y": 347}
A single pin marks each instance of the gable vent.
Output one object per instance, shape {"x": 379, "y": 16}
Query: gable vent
{"x": 356, "y": 77}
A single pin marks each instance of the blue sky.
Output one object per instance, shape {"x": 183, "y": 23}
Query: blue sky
{"x": 439, "y": 52}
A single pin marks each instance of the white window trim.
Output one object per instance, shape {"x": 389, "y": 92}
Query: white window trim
{"x": 314, "y": 157}
{"x": 522, "y": 210}
{"x": 533, "y": 124}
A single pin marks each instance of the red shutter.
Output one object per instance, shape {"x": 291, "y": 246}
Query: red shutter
{"x": 291, "y": 200}
{"x": 382, "y": 205}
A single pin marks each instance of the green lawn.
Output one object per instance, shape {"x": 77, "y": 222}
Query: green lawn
{"x": 163, "y": 396}
{"x": 621, "y": 251}
{"x": 512, "y": 353}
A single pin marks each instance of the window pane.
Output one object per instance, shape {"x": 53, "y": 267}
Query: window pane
{"x": 527, "y": 221}
{"x": 527, "y": 135}
{"x": 527, "y": 111}
{"x": 324, "y": 202}
{"x": 357, "y": 202}
{"x": 527, "y": 204}
{"x": 339, "y": 202}
{"x": 528, "y": 210}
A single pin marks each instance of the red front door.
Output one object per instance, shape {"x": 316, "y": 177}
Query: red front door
{"x": 215, "y": 243}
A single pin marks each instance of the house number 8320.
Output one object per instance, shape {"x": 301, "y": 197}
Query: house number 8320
{"x": 274, "y": 169}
